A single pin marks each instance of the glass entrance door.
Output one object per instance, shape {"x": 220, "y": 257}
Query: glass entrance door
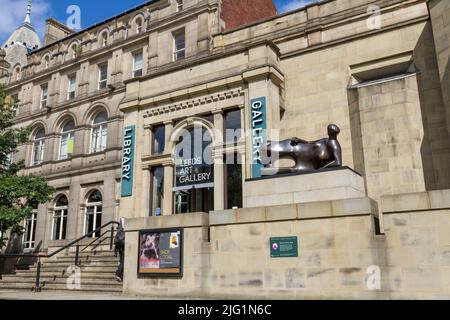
{"x": 194, "y": 200}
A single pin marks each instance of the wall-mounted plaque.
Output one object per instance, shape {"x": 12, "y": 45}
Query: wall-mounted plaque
{"x": 284, "y": 247}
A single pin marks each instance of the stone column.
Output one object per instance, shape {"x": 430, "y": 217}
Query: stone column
{"x": 168, "y": 189}
{"x": 168, "y": 134}
{"x": 219, "y": 195}
{"x": 148, "y": 141}
{"x": 75, "y": 214}
{"x": 41, "y": 225}
{"x": 109, "y": 198}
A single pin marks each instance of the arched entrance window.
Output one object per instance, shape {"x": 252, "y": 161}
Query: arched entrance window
{"x": 99, "y": 132}
{"x": 38, "y": 147}
{"x": 67, "y": 140}
{"x": 59, "y": 224}
{"x": 194, "y": 172}
{"x": 93, "y": 216}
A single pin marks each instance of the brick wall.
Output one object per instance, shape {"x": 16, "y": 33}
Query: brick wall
{"x": 237, "y": 13}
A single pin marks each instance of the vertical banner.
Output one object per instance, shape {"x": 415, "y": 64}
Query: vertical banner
{"x": 258, "y": 125}
{"x": 127, "y": 161}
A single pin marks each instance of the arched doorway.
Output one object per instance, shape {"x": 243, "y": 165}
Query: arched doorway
{"x": 194, "y": 171}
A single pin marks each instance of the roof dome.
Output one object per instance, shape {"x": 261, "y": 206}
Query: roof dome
{"x": 24, "y": 40}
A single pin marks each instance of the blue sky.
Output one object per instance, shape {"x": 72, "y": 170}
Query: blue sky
{"x": 12, "y": 12}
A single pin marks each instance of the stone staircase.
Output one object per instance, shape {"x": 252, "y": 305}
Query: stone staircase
{"x": 97, "y": 271}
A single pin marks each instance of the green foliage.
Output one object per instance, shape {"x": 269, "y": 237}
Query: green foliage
{"x": 19, "y": 195}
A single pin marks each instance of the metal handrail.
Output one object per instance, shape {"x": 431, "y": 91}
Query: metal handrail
{"x": 76, "y": 242}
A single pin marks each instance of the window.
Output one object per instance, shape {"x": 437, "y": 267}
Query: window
{"x": 67, "y": 140}
{"x": 179, "y": 5}
{"x": 29, "y": 235}
{"x": 137, "y": 64}
{"x": 104, "y": 39}
{"x": 44, "y": 95}
{"x": 16, "y": 74}
{"x": 157, "y": 190}
{"x": 138, "y": 25}
{"x": 233, "y": 176}
{"x": 233, "y": 125}
{"x": 102, "y": 76}
{"x": 46, "y": 62}
{"x": 179, "y": 45}
{"x": 38, "y": 148}
{"x": 73, "y": 50}
{"x": 93, "y": 216}
{"x": 15, "y": 103}
{"x": 99, "y": 132}
{"x": 72, "y": 80}
{"x": 159, "y": 137}
{"x": 59, "y": 225}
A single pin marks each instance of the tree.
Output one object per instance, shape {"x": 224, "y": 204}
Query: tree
{"x": 19, "y": 195}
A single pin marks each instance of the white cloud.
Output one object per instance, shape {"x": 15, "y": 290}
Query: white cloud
{"x": 289, "y": 5}
{"x": 12, "y": 14}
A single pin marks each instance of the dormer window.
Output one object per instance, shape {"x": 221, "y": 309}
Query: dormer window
{"x": 179, "y": 5}
{"x": 74, "y": 51}
{"x": 46, "y": 62}
{"x": 16, "y": 75}
{"x": 139, "y": 25}
{"x": 104, "y": 39}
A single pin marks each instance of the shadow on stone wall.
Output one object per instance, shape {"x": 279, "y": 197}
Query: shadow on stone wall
{"x": 435, "y": 149}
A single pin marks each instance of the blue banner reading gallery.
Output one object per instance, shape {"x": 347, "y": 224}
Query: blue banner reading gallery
{"x": 127, "y": 161}
{"x": 258, "y": 124}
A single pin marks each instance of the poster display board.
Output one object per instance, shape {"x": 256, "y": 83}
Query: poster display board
{"x": 160, "y": 253}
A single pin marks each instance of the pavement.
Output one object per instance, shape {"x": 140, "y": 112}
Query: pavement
{"x": 67, "y": 295}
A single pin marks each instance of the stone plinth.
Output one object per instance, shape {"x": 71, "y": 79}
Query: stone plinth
{"x": 324, "y": 185}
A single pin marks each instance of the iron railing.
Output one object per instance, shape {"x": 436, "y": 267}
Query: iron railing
{"x": 37, "y": 287}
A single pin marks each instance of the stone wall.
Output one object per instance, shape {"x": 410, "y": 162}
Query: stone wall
{"x": 338, "y": 242}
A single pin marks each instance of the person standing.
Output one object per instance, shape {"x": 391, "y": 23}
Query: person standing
{"x": 119, "y": 243}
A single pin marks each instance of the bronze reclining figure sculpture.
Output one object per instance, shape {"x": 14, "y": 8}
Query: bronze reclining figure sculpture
{"x": 308, "y": 156}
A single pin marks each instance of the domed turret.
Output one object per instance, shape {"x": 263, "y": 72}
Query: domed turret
{"x": 24, "y": 40}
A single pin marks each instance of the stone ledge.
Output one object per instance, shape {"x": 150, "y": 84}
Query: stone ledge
{"x": 311, "y": 210}
{"x": 431, "y": 200}
{"x": 190, "y": 220}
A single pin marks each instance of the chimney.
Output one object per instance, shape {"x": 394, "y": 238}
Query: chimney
{"x": 54, "y": 31}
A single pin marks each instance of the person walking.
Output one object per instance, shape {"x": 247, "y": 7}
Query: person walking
{"x": 119, "y": 243}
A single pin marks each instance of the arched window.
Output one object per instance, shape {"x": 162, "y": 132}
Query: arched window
{"x": 46, "y": 62}
{"x": 104, "y": 39}
{"x": 60, "y": 218}
{"x": 93, "y": 216}
{"x": 138, "y": 24}
{"x": 29, "y": 234}
{"x": 37, "y": 155}
{"x": 73, "y": 50}
{"x": 67, "y": 140}
{"x": 99, "y": 132}
{"x": 16, "y": 74}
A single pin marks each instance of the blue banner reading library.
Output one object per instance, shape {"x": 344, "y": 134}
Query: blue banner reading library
{"x": 127, "y": 161}
{"x": 258, "y": 126}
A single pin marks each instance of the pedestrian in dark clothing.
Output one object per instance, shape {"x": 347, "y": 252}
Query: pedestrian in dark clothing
{"x": 119, "y": 243}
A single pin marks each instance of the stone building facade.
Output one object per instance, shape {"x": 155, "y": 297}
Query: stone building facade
{"x": 377, "y": 69}
{"x": 70, "y": 91}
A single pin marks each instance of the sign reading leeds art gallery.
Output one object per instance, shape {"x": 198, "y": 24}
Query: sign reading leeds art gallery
{"x": 258, "y": 127}
{"x": 193, "y": 173}
{"x": 127, "y": 161}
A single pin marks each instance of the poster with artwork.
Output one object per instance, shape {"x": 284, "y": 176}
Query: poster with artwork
{"x": 160, "y": 253}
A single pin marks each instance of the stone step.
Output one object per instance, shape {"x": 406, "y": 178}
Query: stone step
{"x": 59, "y": 281}
{"x": 87, "y": 253}
{"x": 61, "y": 287}
{"x": 84, "y": 275}
{"x": 90, "y": 268}
{"x": 82, "y": 259}
{"x": 65, "y": 265}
